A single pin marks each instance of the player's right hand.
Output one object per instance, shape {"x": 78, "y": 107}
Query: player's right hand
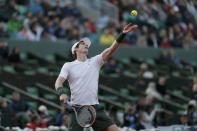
{"x": 63, "y": 98}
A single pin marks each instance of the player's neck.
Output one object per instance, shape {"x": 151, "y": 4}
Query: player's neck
{"x": 81, "y": 57}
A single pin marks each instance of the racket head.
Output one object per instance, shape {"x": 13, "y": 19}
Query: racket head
{"x": 86, "y": 116}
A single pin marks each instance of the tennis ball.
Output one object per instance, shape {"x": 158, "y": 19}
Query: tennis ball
{"x": 134, "y": 13}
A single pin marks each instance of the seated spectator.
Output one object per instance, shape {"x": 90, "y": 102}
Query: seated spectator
{"x": 3, "y": 33}
{"x": 188, "y": 41}
{"x": 14, "y": 57}
{"x": 34, "y": 123}
{"x": 183, "y": 119}
{"x": 21, "y": 109}
{"x": 26, "y": 34}
{"x": 130, "y": 117}
{"x": 14, "y": 25}
{"x": 148, "y": 116}
{"x": 44, "y": 116}
{"x": 73, "y": 32}
{"x": 4, "y": 50}
{"x": 62, "y": 118}
{"x": 102, "y": 21}
{"x": 36, "y": 7}
{"x": 90, "y": 26}
{"x": 151, "y": 91}
{"x": 6, "y": 113}
{"x": 59, "y": 118}
{"x": 47, "y": 36}
{"x": 144, "y": 72}
{"x": 161, "y": 86}
{"x": 192, "y": 113}
{"x": 131, "y": 38}
{"x": 165, "y": 43}
{"x": 152, "y": 40}
{"x": 107, "y": 37}
{"x": 140, "y": 120}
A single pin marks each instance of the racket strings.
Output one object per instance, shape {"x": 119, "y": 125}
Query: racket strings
{"x": 86, "y": 116}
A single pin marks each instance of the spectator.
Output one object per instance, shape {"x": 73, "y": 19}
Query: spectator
{"x": 151, "y": 91}
{"x": 34, "y": 123}
{"x": 90, "y": 26}
{"x": 14, "y": 57}
{"x": 102, "y": 21}
{"x": 144, "y": 72}
{"x": 13, "y": 25}
{"x": 107, "y": 37}
{"x": 192, "y": 112}
{"x": 44, "y": 116}
{"x": 7, "y": 9}
{"x": 21, "y": 109}
{"x": 26, "y": 34}
{"x": 161, "y": 86}
{"x": 61, "y": 31}
{"x": 152, "y": 40}
{"x": 3, "y": 30}
{"x": 165, "y": 43}
{"x": 35, "y": 7}
{"x": 17, "y": 104}
{"x": 130, "y": 117}
{"x": 4, "y": 50}
{"x": 6, "y": 113}
{"x": 148, "y": 116}
{"x": 188, "y": 41}
{"x": 59, "y": 118}
{"x": 47, "y": 36}
{"x": 140, "y": 122}
{"x": 184, "y": 119}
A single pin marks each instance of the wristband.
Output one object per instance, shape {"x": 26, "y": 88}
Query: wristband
{"x": 60, "y": 91}
{"x": 120, "y": 37}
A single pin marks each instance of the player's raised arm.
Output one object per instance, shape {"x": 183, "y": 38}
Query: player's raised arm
{"x": 107, "y": 53}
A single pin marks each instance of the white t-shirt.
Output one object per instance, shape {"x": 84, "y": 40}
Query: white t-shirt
{"x": 83, "y": 80}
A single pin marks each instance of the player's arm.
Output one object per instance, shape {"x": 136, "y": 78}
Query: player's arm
{"x": 107, "y": 53}
{"x": 60, "y": 89}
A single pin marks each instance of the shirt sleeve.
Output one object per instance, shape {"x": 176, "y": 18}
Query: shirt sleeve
{"x": 98, "y": 60}
{"x": 64, "y": 71}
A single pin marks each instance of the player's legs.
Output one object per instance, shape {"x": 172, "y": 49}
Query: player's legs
{"x": 103, "y": 122}
{"x": 74, "y": 126}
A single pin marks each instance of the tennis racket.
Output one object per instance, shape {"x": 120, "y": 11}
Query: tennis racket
{"x": 85, "y": 115}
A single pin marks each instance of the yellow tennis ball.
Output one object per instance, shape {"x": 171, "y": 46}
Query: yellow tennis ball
{"x": 134, "y": 13}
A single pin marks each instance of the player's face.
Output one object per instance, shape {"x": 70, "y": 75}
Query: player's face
{"x": 83, "y": 47}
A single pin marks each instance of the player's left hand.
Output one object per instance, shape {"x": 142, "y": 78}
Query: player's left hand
{"x": 130, "y": 27}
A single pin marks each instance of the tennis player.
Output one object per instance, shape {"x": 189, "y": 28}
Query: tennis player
{"x": 83, "y": 75}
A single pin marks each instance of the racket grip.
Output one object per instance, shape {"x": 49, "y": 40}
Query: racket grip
{"x": 68, "y": 106}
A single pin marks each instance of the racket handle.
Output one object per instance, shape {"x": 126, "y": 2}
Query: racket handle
{"x": 68, "y": 106}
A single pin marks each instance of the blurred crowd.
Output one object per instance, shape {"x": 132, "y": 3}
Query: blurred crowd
{"x": 9, "y": 55}
{"x": 16, "y": 112}
{"x": 144, "y": 114}
{"x": 164, "y": 23}
{"x": 153, "y": 85}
